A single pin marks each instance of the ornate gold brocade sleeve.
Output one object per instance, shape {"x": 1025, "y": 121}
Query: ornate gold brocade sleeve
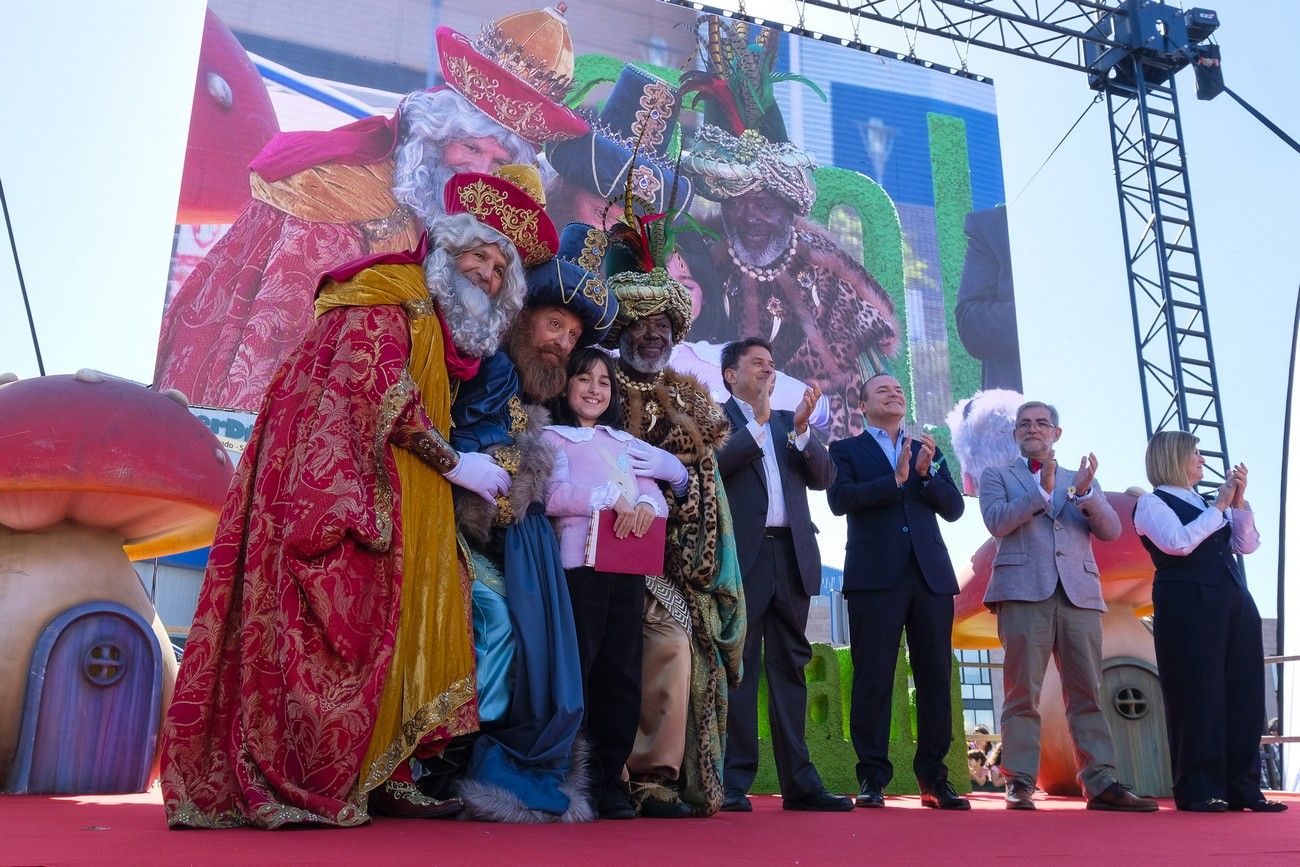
{"x": 430, "y": 447}
{"x": 414, "y": 432}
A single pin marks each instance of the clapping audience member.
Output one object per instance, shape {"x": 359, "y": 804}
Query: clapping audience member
{"x": 1207, "y": 629}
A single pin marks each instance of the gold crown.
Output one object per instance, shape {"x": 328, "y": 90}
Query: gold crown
{"x": 525, "y": 177}
{"x": 534, "y": 45}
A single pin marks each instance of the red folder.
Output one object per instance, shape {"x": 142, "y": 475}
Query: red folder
{"x": 631, "y": 555}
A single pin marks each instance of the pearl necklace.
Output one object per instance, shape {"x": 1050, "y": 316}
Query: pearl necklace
{"x": 770, "y": 272}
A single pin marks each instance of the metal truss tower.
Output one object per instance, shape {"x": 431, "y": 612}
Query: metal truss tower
{"x": 1129, "y": 50}
{"x": 1170, "y": 323}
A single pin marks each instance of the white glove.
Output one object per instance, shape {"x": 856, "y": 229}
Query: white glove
{"x": 648, "y": 460}
{"x": 479, "y": 473}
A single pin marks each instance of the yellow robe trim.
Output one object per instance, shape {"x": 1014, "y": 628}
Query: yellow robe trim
{"x": 431, "y": 677}
{"x": 339, "y": 193}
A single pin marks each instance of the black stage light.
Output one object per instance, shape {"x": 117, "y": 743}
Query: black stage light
{"x": 1208, "y": 69}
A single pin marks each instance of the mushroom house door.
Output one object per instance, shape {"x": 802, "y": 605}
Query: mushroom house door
{"x": 1135, "y": 710}
{"x": 90, "y": 715}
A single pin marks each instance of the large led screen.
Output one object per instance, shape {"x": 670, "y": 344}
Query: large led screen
{"x": 842, "y": 204}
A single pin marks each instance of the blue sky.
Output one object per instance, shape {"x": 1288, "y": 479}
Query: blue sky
{"x": 97, "y": 98}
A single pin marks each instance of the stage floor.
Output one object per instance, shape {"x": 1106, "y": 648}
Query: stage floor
{"x": 129, "y": 829}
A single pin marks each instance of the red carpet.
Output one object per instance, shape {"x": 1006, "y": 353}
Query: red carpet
{"x": 129, "y": 829}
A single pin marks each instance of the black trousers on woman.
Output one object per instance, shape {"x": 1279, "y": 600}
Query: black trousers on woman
{"x": 607, "y": 611}
{"x": 1211, "y": 659}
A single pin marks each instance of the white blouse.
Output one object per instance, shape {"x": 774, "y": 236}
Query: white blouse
{"x": 1158, "y": 522}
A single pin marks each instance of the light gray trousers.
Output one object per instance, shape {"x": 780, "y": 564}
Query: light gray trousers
{"x": 1031, "y": 633}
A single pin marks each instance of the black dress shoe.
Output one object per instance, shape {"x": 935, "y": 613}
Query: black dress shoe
{"x": 942, "y": 797}
{"x": 737, "y": 802}
{"x": 1020, "y": 797}
{"x": 655, "y": 808}
{"x": 1118, "y": 799}
{"x": 614, "y": 803}
{"x": 1263, "y": 805}
{"x": 1209, "y": 805}
{"x": 870, "y": 797}
{"x": 820, "y": 801}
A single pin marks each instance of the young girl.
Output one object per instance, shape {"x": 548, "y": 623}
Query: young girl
{"x": 593, "y": 472}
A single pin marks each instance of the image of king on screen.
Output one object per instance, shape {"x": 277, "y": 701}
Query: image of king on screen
{"x": 781, "y": 276}
{"x": 825, "y": 190}
{"x": 321, "y": 198}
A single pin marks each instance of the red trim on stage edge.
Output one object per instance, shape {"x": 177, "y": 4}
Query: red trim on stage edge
{"x": 129, "y": 829}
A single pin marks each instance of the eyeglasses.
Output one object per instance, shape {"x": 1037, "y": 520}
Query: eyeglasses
{"x": 1034, "y": 423}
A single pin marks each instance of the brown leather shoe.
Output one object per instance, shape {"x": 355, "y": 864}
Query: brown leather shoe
{"x": 1117, "y": 798}
{"x": 1020, "y": 797}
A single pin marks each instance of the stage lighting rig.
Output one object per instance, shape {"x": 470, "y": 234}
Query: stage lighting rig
{"x": 1158, "y": 38}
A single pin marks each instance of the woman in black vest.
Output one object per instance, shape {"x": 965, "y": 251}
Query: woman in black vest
{"x": 1207, "y": 630}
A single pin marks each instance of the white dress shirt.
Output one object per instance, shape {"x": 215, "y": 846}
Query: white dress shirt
{"x": 1038, "y": 477}
{"x": 762, "y": 434}
{"x": 1155, "y": 520}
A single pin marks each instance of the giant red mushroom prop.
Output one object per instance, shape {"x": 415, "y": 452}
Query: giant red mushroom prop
{"x": 1126, "y": 578}
{"x": 231, "y": 119}
{"x": 96, "y": 468}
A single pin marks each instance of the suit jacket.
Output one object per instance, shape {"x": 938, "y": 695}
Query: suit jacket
{"x": 886, "y": 522}
{"x": 740, "y": 461}
{"x": 1040, "y": 543}
{"x": 986, "y": 299}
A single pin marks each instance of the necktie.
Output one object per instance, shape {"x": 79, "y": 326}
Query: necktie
{"x": 1035, "y": 465}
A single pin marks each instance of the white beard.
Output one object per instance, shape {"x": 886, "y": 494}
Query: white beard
{"x": 763, "y": 256}
{"x": 640, "y": 362}
{"x": 475, "y": 321}
{"x": 419, "y": 187}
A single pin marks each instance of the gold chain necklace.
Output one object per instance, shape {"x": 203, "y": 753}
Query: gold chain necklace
{"x": 652, "y": 409}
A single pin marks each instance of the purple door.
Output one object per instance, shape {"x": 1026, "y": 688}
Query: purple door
{"x": 90, "y": 717}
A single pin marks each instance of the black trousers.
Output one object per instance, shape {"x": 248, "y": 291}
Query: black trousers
{"x": 1211, "y": 660}
{"x": 776, "y": 609}
{"x": 877, "y": 620}
{"x": 607, "y": 610}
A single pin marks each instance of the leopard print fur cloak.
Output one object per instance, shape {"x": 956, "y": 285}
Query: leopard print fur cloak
{"x": 676, "y": 413}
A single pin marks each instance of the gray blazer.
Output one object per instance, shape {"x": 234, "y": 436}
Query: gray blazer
{"x": 1040, "y": 543}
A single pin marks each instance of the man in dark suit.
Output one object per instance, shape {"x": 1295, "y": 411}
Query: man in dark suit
{"x": 768, "y": 464}
{"x": 986, "y": 300}
{"x": 897, "y": 575}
